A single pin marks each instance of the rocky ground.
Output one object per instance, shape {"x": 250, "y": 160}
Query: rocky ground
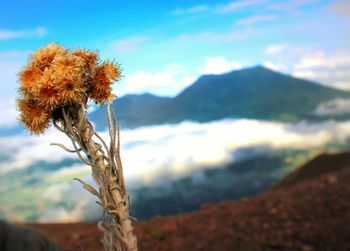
{"x": 301, "y": 213}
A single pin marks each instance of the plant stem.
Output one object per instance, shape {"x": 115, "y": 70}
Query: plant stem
{"x": 107, "y": 171}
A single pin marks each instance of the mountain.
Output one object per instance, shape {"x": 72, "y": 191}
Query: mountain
{"x": 257, "y": 93}
{"x": 136, "y": 110}
{"x": 320, "y": 165}
{"x": 312, "y": 214}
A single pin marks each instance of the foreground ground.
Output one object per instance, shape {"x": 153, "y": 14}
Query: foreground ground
{"x": 309, "y": 210}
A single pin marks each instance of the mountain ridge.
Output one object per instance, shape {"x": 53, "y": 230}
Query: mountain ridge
{"x": 250, "y": 98}
{"x": 255, "y": 93}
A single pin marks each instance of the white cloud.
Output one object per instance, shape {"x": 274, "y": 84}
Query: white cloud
{"x": 173, "y": 78}
{"x": 255, "y": 19}
{"x": 149, "y": 153}
{"x": 13, "y": 55}
{"x": 334, "y": 107}
{"x": 10, "y": 63}
{"x": 55, "y": 192}
{"x": 24, "y": 150}
{"x": 274, "y": 66}
{"x": 236, "y": 5}
{"x": 8, "y": 113}
{"x": 160, "y": 152}
{"x": 290, "y": 5}
{"x": 62, "y": 214}
{"x": 191, "y": 10}
{"x": 340, "y": 7}
{"x": 328, "y": 68}
{"x": 216, "y": 37}
{"x": 82, "y": 205}
{"x": 8, "y": 76}
{"x": 320, "y": 59}
{"x": 73, "y": 170}
{"x": 11, "y": 34}
{"x": 169, "y": 81}
{"x": 276, "y": 49}
{"x": 344, "y": 85}
{"x": 128, "y": 45}
{"x": 218, "y": 65}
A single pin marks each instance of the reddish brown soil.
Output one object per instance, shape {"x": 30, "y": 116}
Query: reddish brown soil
{"x": 322, "y": 164}
{"x": 313, "y": 214}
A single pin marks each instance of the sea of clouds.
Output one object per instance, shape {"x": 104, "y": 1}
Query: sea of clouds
{"x": 153, "y": 152}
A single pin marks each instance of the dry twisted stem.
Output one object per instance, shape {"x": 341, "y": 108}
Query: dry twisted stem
{"x": 107, "y": 172}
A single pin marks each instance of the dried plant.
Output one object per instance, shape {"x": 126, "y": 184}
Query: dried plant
{"x": 55, "y": 86}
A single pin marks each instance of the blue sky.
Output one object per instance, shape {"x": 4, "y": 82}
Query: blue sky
{"x": 163, "y": 46}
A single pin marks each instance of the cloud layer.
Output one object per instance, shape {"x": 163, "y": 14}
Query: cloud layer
{"x": 177, "y": 150}
{"x": 150, "y": 154}
{"x": 334, "y": 107}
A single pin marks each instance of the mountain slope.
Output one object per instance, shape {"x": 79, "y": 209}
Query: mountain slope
{"x": 135, "y": 110}
{"x": 312, "y": 215}
{"x": 320, "y": 165}
{"x": 253, "y": 93}
{"x": 257, "y": 93}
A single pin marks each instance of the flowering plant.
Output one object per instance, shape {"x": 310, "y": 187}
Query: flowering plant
{"x": 56, "y": 85}
{"x": 56, "y": 77}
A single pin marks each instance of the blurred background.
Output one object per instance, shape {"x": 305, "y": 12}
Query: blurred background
{"x": 219, "y": 100}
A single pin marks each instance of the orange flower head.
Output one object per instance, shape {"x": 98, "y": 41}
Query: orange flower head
{"x": 68, "y": 66}
{"x": 90, "y": 57}
{"x": 112, "y": 71}
{"x": 100, "y": 80}
{"x": 35, "y": 117}
{"x": 57, "y": 78}
{"x": 71, "y": 91}
{"x": 47, "y": 93}
{"x": 100, "y": 96}
{"x": 29, "y": 78}
{"x": 44, "y": 56}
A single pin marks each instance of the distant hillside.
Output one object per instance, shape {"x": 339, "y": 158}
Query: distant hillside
{"x": 257, "y": 93}
{"x": 233, "y": 181}
{"x": 309, "y": 216}
{"x": 320, "y": 165}
{"x": 136, "y": 110}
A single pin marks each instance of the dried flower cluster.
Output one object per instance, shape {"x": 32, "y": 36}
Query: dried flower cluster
{"x": 56, "y": 77}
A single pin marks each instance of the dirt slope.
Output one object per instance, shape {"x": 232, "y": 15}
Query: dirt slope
{"x": 312, "y": 214}
{"x": 320, "y": 165}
